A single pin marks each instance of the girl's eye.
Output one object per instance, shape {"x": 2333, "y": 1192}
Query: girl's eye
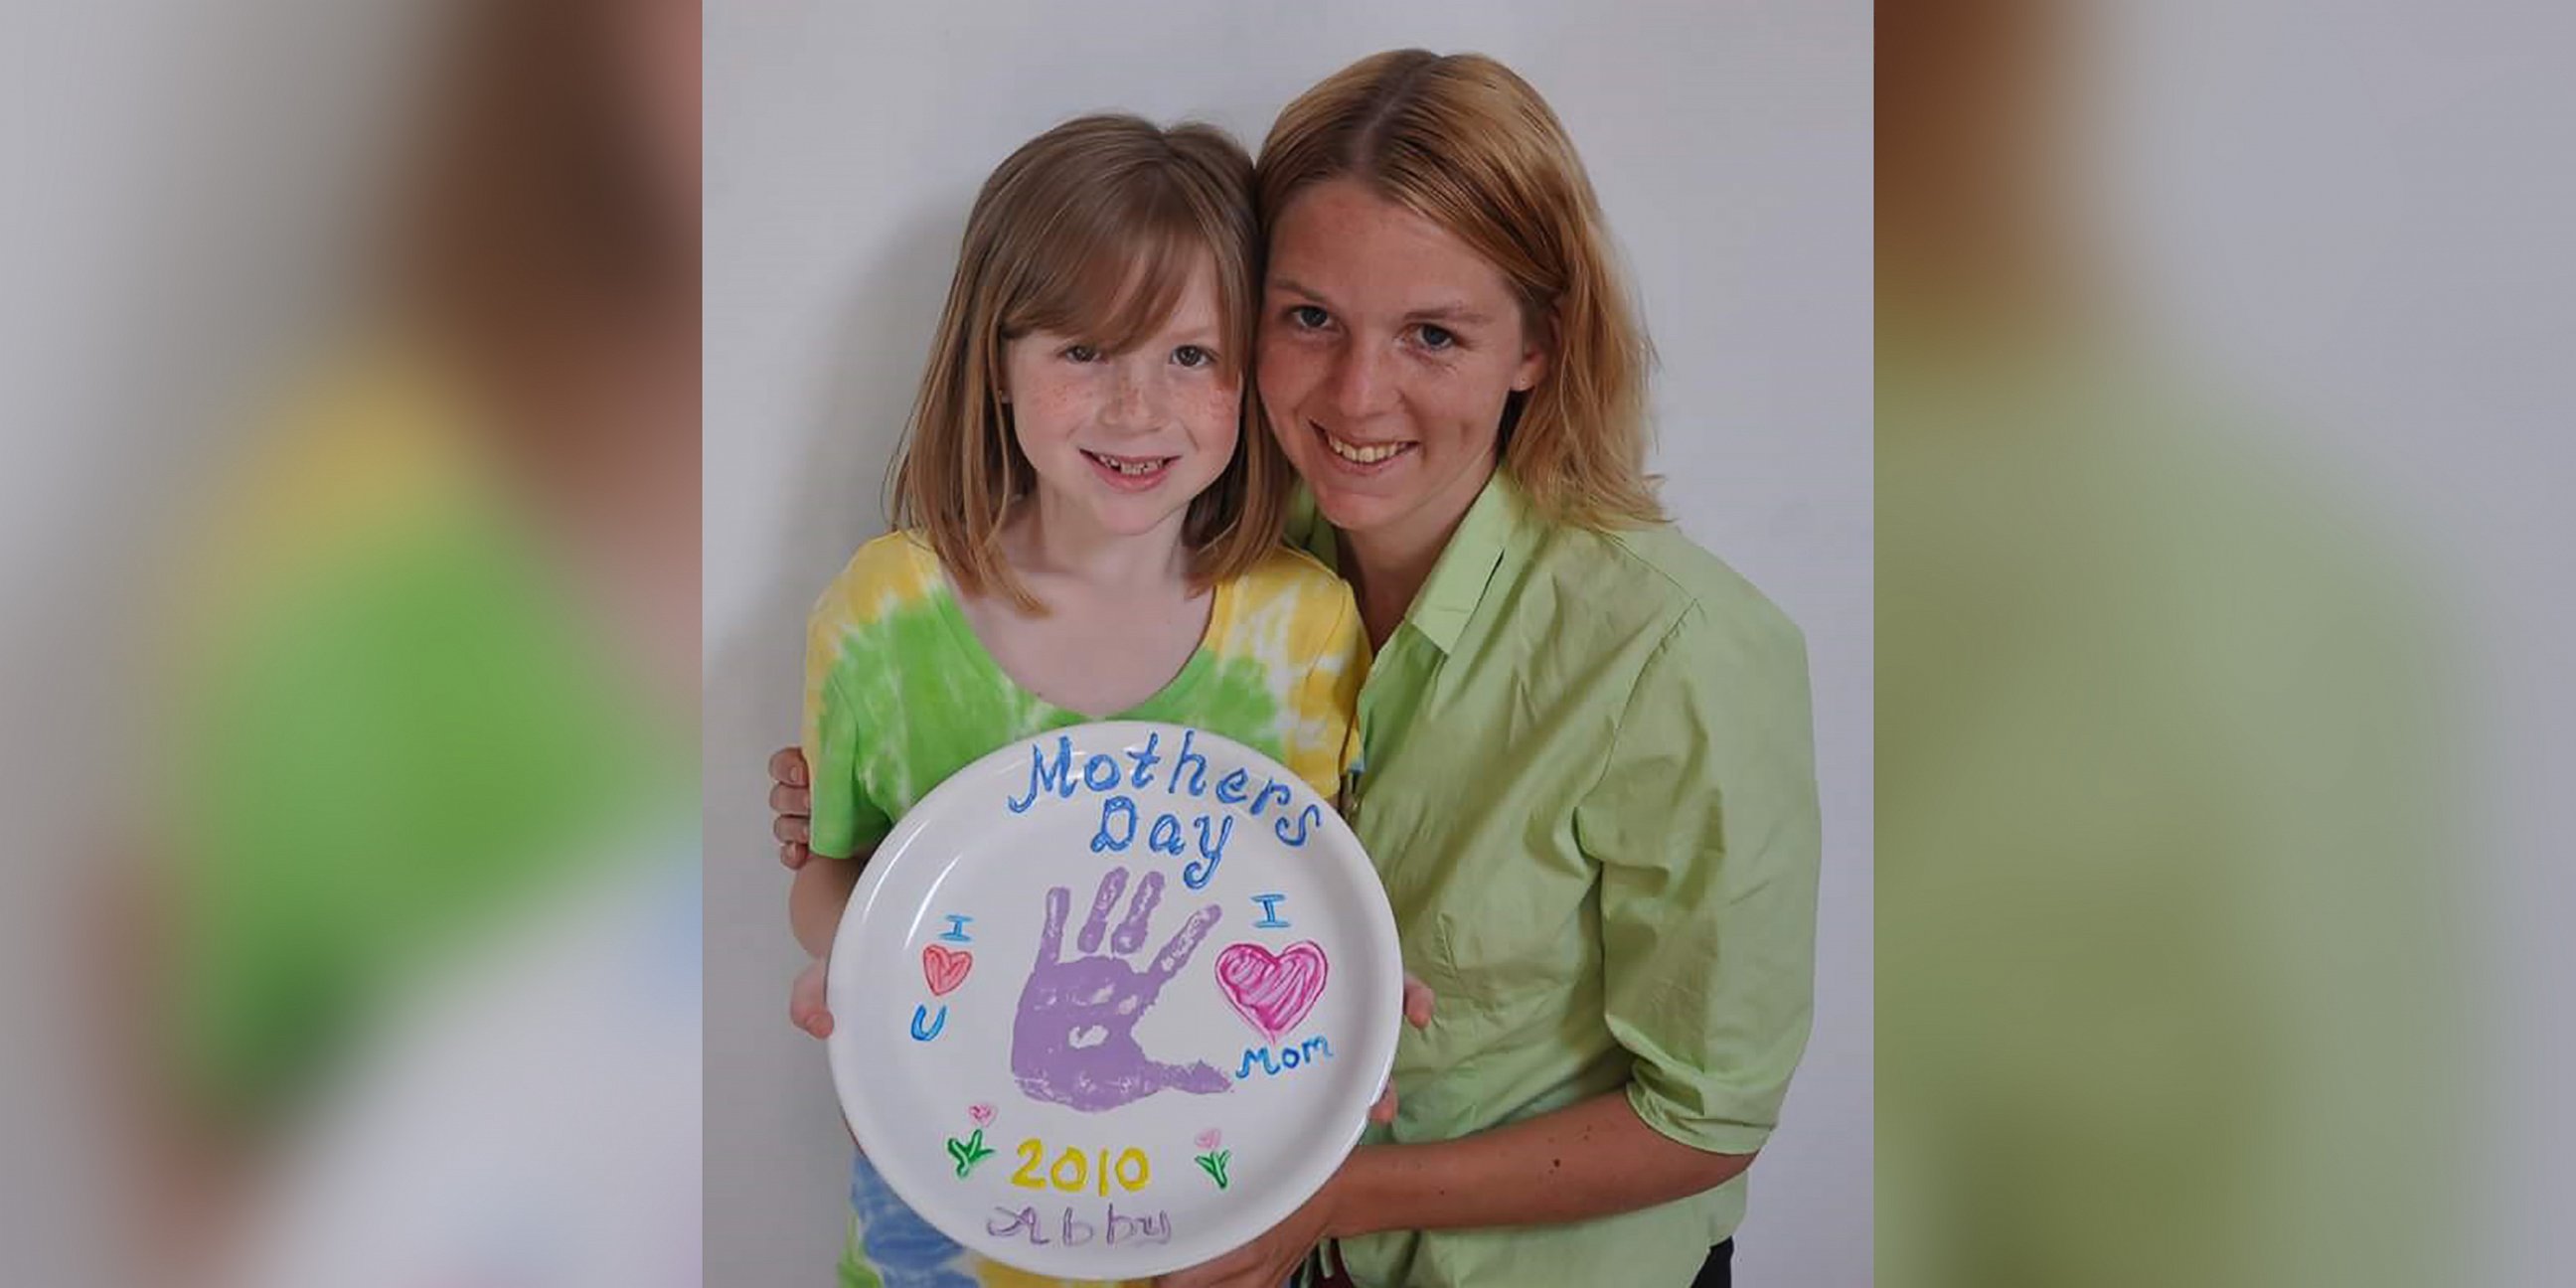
{"x": 1081, "y": 353}
{"x": 1308, "y": 316}
{"x": 1192, "y": 356}
{"x": 1437, "y": 338}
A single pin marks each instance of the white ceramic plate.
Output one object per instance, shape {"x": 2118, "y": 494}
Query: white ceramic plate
{"x": 1113, "y": 1001}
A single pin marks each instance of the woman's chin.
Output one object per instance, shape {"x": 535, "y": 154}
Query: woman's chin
{"x": 1356, "y": 512}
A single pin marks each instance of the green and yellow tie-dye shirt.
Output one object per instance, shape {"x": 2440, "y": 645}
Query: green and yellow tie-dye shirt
{"x": 899, "y": 694}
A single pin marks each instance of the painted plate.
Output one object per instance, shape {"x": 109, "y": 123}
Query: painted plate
{"x": 1114, "y": 1000}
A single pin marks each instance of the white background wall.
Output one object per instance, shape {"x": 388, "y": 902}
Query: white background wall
{"x": 1731, "y": 146}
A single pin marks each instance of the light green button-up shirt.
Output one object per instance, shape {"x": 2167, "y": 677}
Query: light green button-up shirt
{"x": 1587, "y": 776}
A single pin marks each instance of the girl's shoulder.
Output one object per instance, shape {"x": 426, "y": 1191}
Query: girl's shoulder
{"x": 894, "y": 571}
{"x": 1289, "y": 599}
{"x": 1292, "y": 575}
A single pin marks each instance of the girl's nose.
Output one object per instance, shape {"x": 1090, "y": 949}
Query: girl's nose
{"x": 1136, "y": 396}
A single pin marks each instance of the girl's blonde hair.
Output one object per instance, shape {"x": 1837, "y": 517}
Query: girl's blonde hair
{"x": 1463, "y": 142}
{"x": 1091, "y": 229}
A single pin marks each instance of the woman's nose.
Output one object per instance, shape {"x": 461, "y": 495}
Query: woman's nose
{"x": 1359, "y": 381}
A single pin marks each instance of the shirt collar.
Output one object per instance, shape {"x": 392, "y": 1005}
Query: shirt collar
{"x": 1467, "y": 564}
{"x": 1448, "y": 598}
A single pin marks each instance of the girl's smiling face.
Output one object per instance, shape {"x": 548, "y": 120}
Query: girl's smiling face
{"x": 1123, "y": 442}
{"x": 1388, "y": 350}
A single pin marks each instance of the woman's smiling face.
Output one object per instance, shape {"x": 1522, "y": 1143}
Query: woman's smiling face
{"x": 1388, "y": 349}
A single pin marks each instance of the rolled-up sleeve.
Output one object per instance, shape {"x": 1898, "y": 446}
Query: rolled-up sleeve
{"x": 1705, "y": 826}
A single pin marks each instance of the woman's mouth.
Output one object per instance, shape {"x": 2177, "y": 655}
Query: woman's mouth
{"x": 1361, "y": 456}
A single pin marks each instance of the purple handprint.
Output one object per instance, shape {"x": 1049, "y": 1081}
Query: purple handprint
{"x": 1074, "y": 1040}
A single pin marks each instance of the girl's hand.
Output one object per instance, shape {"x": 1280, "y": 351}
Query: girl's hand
{"x": 791, "y": 799}
{"x": 1271, "y": 1259}
{"x": 805, "y": 1000}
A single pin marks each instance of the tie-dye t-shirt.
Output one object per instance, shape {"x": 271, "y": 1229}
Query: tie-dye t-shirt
{"x": 899, "y": 694}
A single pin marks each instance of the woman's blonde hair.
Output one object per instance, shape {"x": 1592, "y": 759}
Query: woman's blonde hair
{"x": 1091, "y": 229}
{"x": 1463, "y": 142}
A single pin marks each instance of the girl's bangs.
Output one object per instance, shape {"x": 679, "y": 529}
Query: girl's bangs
{"x": 1110, "y": 290}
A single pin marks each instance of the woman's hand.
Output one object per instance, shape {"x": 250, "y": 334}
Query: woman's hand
{"x": 1270, "y": 1260}
{"x": 791, "y": 799}
{"x": 805, "y": 1006}
{"x": 1417, "y": 1012}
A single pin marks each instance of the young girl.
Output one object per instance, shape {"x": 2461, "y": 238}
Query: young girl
{"x": 1085, "y": 531}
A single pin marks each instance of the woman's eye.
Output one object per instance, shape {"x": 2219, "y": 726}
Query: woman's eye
{"x": 1436, "y": 338}
{"x": 1192, "y": 356}
{"x": 1308, "y": 316}
{"x": 1080, "y": 353}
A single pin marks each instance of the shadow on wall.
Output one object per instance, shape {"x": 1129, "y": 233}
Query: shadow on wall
{"x": 773, "y": 1087}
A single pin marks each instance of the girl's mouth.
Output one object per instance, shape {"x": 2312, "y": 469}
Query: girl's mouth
{"x": 1130, "y": 473}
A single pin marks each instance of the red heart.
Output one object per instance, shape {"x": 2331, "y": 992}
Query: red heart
{"x": 945, "y": 969}
{"x": 1272, "y": 992}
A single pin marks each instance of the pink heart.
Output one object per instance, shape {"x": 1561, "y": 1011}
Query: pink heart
{"x": 945, "y": 969}
{"x": 1272, "y": 992}
{"x": 982, "y": 1114}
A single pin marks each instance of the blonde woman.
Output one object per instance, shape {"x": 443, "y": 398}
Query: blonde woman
{"x": 1585, "y": 765}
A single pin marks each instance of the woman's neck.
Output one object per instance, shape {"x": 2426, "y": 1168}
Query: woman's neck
{"x": 1388, "y": 564}
{"x": 1049, "y": 537}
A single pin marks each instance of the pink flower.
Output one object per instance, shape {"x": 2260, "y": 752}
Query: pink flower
{"x": 1211, "y": 1138}
{"x": 982, "y": 1114}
